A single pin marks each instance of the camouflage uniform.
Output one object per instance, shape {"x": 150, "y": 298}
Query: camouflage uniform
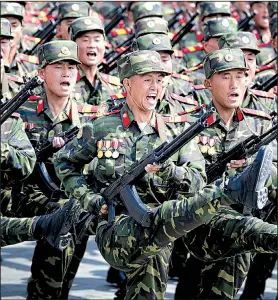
{"x": 22, "y": 64}
{"x": 105, "y": 85}
{"x": 211, "y": 29}
{"x": 71, "y": 10}
{"x": 223, "y": 236}
{"x": 40, "y": 125}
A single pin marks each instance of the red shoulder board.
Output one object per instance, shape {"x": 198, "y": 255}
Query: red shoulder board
{"x": 187, "y": 99}
{"x": 200, "y": 66}
{"x": 58, "y": 35}
{"x": 265, "y": 67}
{"x": 254, "y": 31}
{"x": 199, "y": 35}
{"x": 191, "y": 49}
{"x": 34, "y": 98}
{"x": 29, "y": 58}
{"x": 178, "y": 53}
{"x": 262, "y": 44}
{"x": 256, "y": 113}
{"x": 190, "y": 110}
{"x": 183, "y": 77}
{"x": 176, "y": 119}
{"x": 121, "y": 31}
{"x": 87, "y": 108}
{"x": 199, "y": 87}
{"x": 118, "y": 96}
{"x": 263, "y": 94}
{"x": 15, "y": 78}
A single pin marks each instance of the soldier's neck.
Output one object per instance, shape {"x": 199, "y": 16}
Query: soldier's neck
{"x": 266, "y": 35}
{"x": 140, "y": 116}
{"x": 225, "y": 114}
{"x": 12, "y": 54}
{"x": 56, "y": 104}
{"x": 90, "y": 72}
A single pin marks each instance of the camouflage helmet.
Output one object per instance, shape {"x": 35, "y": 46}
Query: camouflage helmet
{"x": 213, "y": 8}
{"x": 73, "y": 10}
{"x": 218, "y": 26}
{"x": 154, "y": 42}
{"x": 274, "y": 27}
{"x": 11, "y": 9}
{"x": 223, "y": 60}
{"x": 6, "y": 31}
{"x": 138, "y": 63}
{"x": 150, "y": 25}
{"x": 272, "y": 8}
{"x": 242, "y": 39}
{"x": 146, "y": 9}
{"x": 85, "y": 24}
{"x": 52, "y": 52}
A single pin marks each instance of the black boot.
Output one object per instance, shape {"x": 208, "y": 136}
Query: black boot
{"x": 248, "y": 187}
{"x": 55, "y": 226}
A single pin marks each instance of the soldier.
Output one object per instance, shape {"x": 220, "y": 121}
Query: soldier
{"x": 52, "y": 114}
{"x": 262, "y": 31}
{"x": 68, "y": 12}
{"x": 253, "y": 99}
{"x": 10, "y": 84}
{"x": 143, "y": 253}
{"x": 221, "y": 237}
{"x": 212, "y": 30}
{"x": 19, "y": 63}
{"x": 92, "y": 86}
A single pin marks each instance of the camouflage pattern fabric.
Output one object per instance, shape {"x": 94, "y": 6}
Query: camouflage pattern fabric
{"x": 73, "y": 10}
{"x": 273, "y": 27}
{"x": 209, "y": 9}
{"x": 6, "y": 29}
{"x": 272, "y": 8}
{"x": 11, "y": 9}
{"x": 85, "y": 24}
{"x": 150, "y": 25}
{"x": 16, "y": 230}
{"x": 146, "y": 9}
{"x": 139, "y": 62}
{"x": 104, "y": 86}
{"x": 154, "y": 42}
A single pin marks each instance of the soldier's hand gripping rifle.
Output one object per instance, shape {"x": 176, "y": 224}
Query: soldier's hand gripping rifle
{"x": 185, "y": 29}
{"x": 244, "y": 24}
{"x": 242, "y": 150}
{"x": 123, "y": 187}
{"x": 12, "y": 105}
{"x": 45, "y": 150}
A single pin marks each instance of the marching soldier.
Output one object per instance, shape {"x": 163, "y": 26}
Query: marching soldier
{"x": 92, "y": 86}
{"x": 19, "y": 63}
{"x": 143, "y": 253}
{"x": 45, "y": 119}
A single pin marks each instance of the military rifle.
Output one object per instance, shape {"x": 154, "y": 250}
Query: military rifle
{"x": 175, "y": 19}
{"x": 267, "y": 85}
{"x": 244, "y": 25}
{"x": 123, "y": 187}
{"x": 44, "y": 151}
{"x": 185, "y": 29}
{"x": 242, "y": 150}
{"x": 119, "y": 15}
{"x": 9, "y": 107}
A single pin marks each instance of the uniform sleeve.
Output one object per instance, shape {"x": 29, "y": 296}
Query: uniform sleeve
{"x": 188, "y": 173}
{"x": 18, "y": 157}
{"x": 68, "y": 163}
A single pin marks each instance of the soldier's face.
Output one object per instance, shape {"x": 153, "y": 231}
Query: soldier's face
{"x": 166, "y": 60}
{"x": 143, "y": 90}
{"x": 227, "y": 88}
{"x": 16, "y": 28}
{"x": 262, "y": 18}
{"x": 91, "y": 46}
{"x": 5, "y": 50}
{"x": 60, "y": 78}
{"x": 211, "y": 44}
{"x": 63, "y": 28}
{"x": 250, "y": 59}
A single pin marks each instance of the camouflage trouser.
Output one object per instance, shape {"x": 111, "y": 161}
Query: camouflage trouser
{"x": 16, "y": 230}
{"x": 144, "y": 253}
{"x": 227, "y": 234}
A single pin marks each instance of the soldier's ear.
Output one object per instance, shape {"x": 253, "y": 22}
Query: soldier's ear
{"x": 207, "y": 84}
{"x": 41, "y": 73}
{"x": 126, "y": 84}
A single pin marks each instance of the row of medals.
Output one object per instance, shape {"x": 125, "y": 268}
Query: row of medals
{"x": 104, "y": 149}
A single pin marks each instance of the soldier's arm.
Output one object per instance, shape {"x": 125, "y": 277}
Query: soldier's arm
{"x": 188, "y": 173}
{"x": 18, "y": 157}
{"x": 68, "y": 163}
